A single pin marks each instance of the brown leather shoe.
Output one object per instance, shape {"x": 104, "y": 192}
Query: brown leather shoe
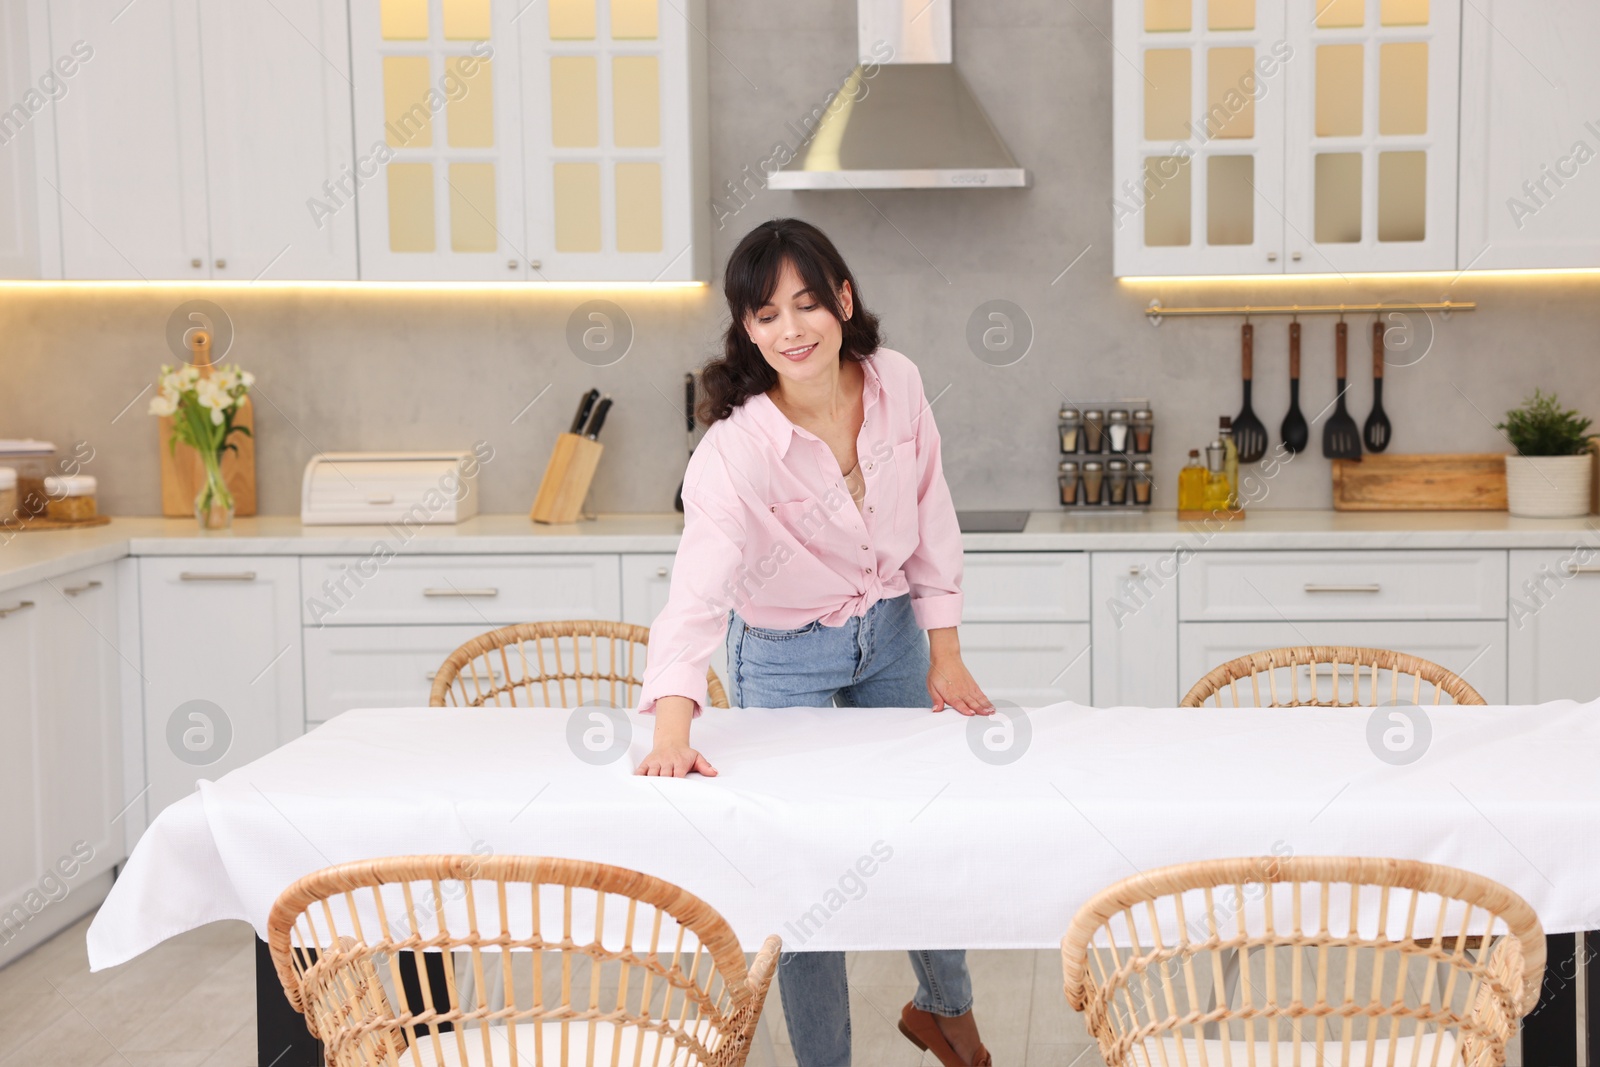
{"x": 922, "y": 1030}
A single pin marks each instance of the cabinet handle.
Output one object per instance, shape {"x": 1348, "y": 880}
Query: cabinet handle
{"x": 1135, "y": 571}
{"x": 486, "y": 591}
{"x": 380, "y": 499}
{"x": 513, "y": 264}
{"x": 1590, "y": 569}
{"x": 21, "y": 606}
{"x": 200, "y": 576}
{"x": 1374, "y": 587}
{"x": 662, "y": 572}
{"x": 1295, "y": 256}
{"x": 535, "y": 264}
{"x": 74, "y": 590}
{"x": 1272, "y": 257}
{"x": 222, "y": 264}
{"x": 195, "y": 263}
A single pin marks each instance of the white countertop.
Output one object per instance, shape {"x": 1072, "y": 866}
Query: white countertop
{"x": 35, "y": 556}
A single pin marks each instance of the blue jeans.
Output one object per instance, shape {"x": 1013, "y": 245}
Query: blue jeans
{"x": 876, "y": 660}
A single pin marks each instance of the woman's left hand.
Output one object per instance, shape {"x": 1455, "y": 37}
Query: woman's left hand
{"x": 951, "y": 684}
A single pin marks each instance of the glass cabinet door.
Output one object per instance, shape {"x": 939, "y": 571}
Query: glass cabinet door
{"x": 1371, "y": 135}
{"x": 1200, "y": 88}
{"x": 438, "y": 140}
{"x": 614, "y": 129}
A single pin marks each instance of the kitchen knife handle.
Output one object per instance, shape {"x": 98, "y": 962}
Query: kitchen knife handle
{"x": 1341, "y": 349}
{"x": 1377, "y": 349}
{"x": 1294, "y": 351}
{"x": 599, "y": 419}
{"x": 688, "y": 401}
{"x": 585, "y": 406}
{"x": 1247, "y": 350}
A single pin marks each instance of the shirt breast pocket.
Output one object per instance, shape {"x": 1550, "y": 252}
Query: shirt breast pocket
{"x": 903, "y": 472}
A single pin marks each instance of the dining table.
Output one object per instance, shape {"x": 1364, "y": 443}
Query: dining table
{"x": 893, "y": 828}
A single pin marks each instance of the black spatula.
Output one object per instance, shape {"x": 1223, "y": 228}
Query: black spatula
{"x": 1296, "y": 434}
{"x": 1341, "y": 438}
{"x": 1249, "y": 436}
{"x": 1376, "y": 432}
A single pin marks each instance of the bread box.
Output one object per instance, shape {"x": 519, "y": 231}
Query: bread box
{"x": 412, "y": 488}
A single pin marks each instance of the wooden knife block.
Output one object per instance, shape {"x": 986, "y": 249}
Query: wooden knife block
{"x": 566, "y": 479}
{"x": 182, "y": 470}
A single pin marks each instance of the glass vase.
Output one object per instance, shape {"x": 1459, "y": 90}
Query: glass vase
{"x": 213, "y": 505}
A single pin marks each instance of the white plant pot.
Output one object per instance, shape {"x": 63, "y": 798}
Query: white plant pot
{"x": 1548, "y": 487}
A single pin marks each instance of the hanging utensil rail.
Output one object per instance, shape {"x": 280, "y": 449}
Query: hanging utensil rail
{"x": 1155, "y": 312}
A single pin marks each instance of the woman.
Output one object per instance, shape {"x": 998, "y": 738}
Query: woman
{"x": 818, "y": 536}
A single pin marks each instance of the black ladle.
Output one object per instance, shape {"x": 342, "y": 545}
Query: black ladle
{"x": 1376, "y": 431}
{"x": 1296, "y": 433}
{"x": 1249, "y": 436}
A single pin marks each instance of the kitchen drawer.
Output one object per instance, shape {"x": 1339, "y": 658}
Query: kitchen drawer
{"x": 1029, "y": 664}
{"x": 1267, "y": 586}
{"x": 1026, "y": 587}
{"x": 484, "y": 591}
{"x": 1474, "y": 650}
{"x": 375, "y": 666}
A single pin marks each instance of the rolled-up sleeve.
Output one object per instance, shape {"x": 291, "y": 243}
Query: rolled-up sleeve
{"x": 685, "y": 635}
{"x": 934, "y": 569}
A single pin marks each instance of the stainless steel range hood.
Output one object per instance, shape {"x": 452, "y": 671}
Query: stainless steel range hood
{"x": 905, "y": 118}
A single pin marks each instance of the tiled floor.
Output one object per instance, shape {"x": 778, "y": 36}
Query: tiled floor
{"x": 190, "y": 1002}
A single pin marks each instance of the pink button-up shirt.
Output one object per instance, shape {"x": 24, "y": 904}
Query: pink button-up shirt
{"x": 770, "y": 530}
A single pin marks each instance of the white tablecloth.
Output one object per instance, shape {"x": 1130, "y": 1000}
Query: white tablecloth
{"x": 962, "y": 851}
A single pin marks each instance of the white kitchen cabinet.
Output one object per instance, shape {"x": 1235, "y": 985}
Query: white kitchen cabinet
{"x": 27, "y": 138}
{"x": 1370, "y": 584}
{"x": 1285, "y": 136}
{"x": 375, "y": 666}
{"x": 130, "y": 143}
{"x": 279, "y": 160}
{"x": 1552, "y": 607}
{"x": 646, "y": 581}
{"x": 21, "y": 831}
{"x": 439, "y": 140}
{"x": 1025, "y": 587}
{"x": 78, "y": 702}
{"x": 1135, "y": 616}
{"x": 1530, "y": 135}
{"x": 61, "y": 765}
{"x": 615, "y": 101}
{"x": 1476, "y": 650}
{"x": 1198, "y": 107}
{"x": 195, "y": 140}
{"x": 475, "y": 590}
{"x": 1029, "y": 664}
{"x": 222, "y": 665}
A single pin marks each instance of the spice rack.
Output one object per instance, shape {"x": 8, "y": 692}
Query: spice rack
{"x": 1106, "y": 448}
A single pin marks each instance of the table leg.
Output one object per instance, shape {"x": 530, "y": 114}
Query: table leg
{"x": 1550, "y": 1032}
{"x": 282, "y": 1039}
{"x": 1591, "y": 981}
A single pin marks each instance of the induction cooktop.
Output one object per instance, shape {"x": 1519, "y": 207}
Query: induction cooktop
{"x": 992, "y": 521}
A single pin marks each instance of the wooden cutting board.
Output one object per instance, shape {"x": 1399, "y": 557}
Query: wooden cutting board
{"x": 182, "y": 470}
{"x": 1444, "y": 482}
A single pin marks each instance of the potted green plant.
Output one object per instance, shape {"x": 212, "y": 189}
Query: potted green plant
{"x": 1549, "y": 476}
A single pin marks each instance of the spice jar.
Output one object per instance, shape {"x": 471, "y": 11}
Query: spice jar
{"x": 1117, "y": 480}
{"x": 1071, "y": 425}
{"x": 1094, "y": 474}
{"x": 1143, "y": 481}
{"x": 1117, "y": 431}
{"x": 1094, "y": 423}
{"x": 1144, "y": 426}
{"x": 1069, "y": 479}
{"x": 71, "y": 497}
{"x": 9, "y": 500}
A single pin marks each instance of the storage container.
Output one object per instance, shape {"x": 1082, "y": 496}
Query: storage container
{"x": 71, "y": 497}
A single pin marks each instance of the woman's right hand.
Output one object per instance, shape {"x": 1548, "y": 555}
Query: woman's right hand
{"x": 673, "y": 759}
{"x": 671, "y": 756}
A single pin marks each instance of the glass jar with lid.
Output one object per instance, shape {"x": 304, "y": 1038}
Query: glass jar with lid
{"x": 1070, "y": 424}
{"x": 71, "y": 497}
{"x": 33, "y": 461}
{"x": 1144, "y": 426}
{"x": 10, "y": 502}
{"x": 1069, "y": 479}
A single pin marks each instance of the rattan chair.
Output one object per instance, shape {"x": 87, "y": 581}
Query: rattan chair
{"x": 552, "y": 665}
{"x": 552, "y": 962}
{"x": 1329, "y": 676}
{"x": 1361, "y": 961}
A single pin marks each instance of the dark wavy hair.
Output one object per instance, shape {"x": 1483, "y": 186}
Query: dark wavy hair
{"x": 749, "y": 282}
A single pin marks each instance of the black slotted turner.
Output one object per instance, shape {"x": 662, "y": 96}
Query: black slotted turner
{"x": 1249, "y": 435}
{"x": 1377, "y": 430}
{"x": 1341, "y": 438}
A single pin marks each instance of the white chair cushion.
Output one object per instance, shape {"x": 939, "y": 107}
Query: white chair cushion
{"x": 1332, "y": 1052}
{"x": 529, "y": 1054}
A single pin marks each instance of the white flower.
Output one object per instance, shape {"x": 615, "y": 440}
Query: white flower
{"x": 247, "y": 378}
{"x": 163, "y": 405}
{"x": 189, "y": 375}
